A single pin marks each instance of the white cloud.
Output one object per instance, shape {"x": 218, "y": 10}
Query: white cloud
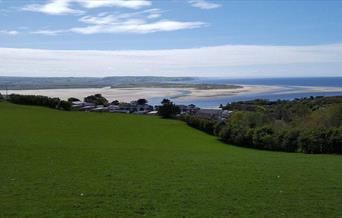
{"x": 133, "y": 4}
{"x": 202, "y": 4}
{"x": 226, "y": 60}
{"x": 61, "y": 7}
{"x": 48, "y": 32}
{"x": 140, "y": 22}
{"x": 136, "y": 26}
{"x": 9, "y": 32}
{"x": 107, "y": 18}
{"x": 53, "y": 7}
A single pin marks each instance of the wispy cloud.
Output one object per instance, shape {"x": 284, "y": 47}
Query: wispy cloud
{"x": 226, "y": 60}
{"x": 107, "y": 18}
{"x": 9, "y": 32}
{"x": 48, "y": 32}
{"x": 133, "y": 4}
{"x": 138, "y": 26}
{"x": 139, "y": 22}
{"x": 61, "y": 7}
{"x": 202, "y": 4}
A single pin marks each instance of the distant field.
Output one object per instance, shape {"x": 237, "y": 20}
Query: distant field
{"x": 74, "y": 164}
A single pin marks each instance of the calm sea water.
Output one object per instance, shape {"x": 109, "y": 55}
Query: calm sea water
{"x": 288, "y": 83}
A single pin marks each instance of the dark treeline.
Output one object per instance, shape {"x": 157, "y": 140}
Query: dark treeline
{"x": 38, "y": 100}
{"x": 309, "y": 125}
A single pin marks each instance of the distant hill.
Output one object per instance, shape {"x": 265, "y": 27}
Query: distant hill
{"x": 15, "y": 83}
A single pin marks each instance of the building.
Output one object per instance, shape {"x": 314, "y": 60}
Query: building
{"x": 82, "y": 106}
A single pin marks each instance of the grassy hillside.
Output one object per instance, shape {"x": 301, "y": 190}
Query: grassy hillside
{"x": 74, "y": 164}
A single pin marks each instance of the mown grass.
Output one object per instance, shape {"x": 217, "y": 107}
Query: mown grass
{"x": 74, "y": 164}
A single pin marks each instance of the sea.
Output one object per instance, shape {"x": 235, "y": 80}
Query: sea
{"x": 295, "y": 88}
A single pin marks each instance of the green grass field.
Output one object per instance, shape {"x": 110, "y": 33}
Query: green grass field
{"x": 77, "y": 164}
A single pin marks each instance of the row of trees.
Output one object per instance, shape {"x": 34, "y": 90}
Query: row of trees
{"x": 57, "y": 103}
{"x": 38, "y": 100}
{"x": 206, "y": 125}
{"x": 98, "y": 99}
{"x": 311, "y": 125}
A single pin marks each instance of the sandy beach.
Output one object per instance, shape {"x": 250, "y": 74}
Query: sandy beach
{"x": 130, "y": 94}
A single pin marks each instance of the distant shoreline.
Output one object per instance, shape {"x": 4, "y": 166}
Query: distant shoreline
{"x": 129, "y": 93}
{"x": 191, "y": 93}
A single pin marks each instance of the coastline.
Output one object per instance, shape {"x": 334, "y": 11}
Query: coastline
{"x": 188, "y": 94}
{"x": 130, "y": 94}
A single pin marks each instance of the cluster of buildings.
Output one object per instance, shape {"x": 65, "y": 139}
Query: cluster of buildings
{"x": 122, "y": 107}
{"x": 135, "y": 108}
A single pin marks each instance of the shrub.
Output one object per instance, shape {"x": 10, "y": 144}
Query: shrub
{"x": 65, "y": 105}
{"x": 203, "y": 124}
{"x": 263, "y": 138}
{"x": 287, "y": 140}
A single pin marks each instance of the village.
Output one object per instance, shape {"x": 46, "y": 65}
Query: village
{"x": 97, "y": 103}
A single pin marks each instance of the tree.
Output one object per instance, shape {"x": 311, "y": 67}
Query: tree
{"x": 72, "y": 99}
{"x": 1, "y": 97}
{"x": 115, "y": 102}
{"x": 97, "y": 99}
{"x": 168, "y": 109}
{"x": 262, "y": 137}
{"x": 141, "y": 101}
{"x": 165, "y": 101}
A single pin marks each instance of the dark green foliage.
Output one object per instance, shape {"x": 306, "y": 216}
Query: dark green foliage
{"x": 263, "y": 138}
{"x": 64, "y": 105}
{"x": 72, "y": 99}
{"x": 321, "y": 140}
{"x": 203, "y": 124}
{"x": 38, "y": 100}
{"x": 1, "y": 97}
{"x": 310, "y": 125}
{"x": 142, "y": 101}
{"x": 115, "y": 102}
{"x": 287, "y": 139}
{"x": 168, "y": 109}
{"x": 165, "y": 101}
{"x": 97, "y": 99}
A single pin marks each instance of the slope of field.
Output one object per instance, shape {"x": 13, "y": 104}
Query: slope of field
{"x": 73, "y": 164}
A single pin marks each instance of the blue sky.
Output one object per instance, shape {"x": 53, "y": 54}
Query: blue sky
{"x": 278, "y": 33}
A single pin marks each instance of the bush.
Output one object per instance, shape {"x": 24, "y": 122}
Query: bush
{"x": 263, "y": 138}
{"x": 321, "y": 140}
{"x": 206, "y": 125}
{"x": 65, "y": 105}
{"x": 287, "y": 140}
